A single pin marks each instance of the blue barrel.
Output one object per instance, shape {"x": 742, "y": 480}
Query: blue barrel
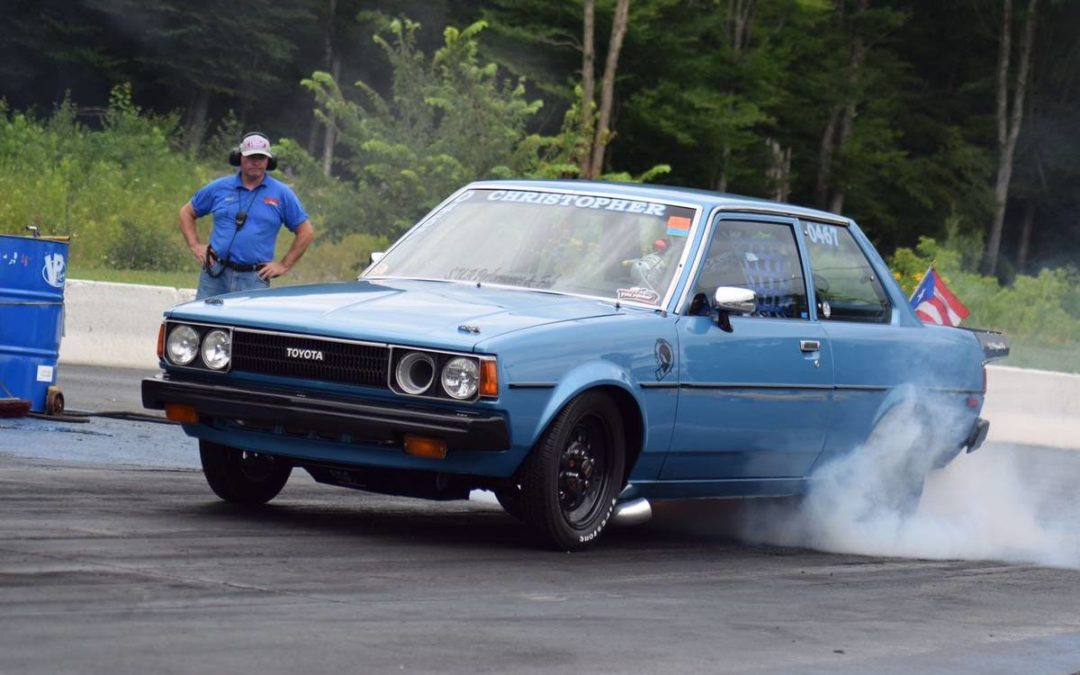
{"x": 32, "y": 273}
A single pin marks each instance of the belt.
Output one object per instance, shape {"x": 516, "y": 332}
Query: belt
{"x": 237, "y": 267}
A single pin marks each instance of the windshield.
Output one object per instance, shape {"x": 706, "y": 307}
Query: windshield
{"x": 588, "y": 245}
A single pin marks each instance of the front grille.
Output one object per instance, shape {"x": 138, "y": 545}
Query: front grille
{"x": 346, "y": 362}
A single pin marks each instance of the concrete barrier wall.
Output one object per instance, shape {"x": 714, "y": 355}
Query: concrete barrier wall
{"x": 109, "y": 324}
{"x": 117, "y": 324}
{"x": 1035, "y": 407}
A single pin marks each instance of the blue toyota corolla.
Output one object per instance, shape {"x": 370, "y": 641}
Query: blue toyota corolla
{"x": 579, "y": 349}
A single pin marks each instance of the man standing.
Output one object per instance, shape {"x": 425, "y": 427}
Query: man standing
{"x": 249, "y": 209}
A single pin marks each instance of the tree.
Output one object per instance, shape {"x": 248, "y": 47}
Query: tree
{"x": 1008, "y": 125}
{"x": 449, "y": 119}
{"x": 602, "y": 136}
{"x": 203, "y": 48}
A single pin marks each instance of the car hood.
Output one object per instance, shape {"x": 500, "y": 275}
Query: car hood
{"x": 434, "y": 313}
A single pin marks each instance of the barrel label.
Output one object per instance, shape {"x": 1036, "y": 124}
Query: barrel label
{"x": 53, "y": 271}
{"x": 44, "y": 373}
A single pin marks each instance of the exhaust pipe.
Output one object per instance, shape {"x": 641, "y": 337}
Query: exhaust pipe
{"x": 632, "y": 512}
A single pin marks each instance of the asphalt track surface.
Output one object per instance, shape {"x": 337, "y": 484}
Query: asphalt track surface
{"x": 116, "y": 558}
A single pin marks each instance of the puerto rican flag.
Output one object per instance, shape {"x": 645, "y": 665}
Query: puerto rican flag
{"x": 935, "y": 303}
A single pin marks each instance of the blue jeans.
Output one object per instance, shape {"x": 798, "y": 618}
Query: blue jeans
{"x": 228, "y": 281}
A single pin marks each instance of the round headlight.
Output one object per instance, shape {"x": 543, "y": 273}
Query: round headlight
{"x": 182, "y": 345}
{"x": 461, "y": 377}
{"x": 217, "y": 349}
{"x": 415, "y": 372}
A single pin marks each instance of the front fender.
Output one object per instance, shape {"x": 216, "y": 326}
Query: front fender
{"x": 589, "y": 375}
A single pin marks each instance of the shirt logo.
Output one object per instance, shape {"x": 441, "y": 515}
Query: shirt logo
{"x": 271, "y": 201}
{"x": 305, "y": 354}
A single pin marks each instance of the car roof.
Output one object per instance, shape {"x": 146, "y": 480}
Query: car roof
{"x": 704, "y": 198}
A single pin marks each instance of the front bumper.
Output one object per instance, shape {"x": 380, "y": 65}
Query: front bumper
{"x": 372, "y": 422}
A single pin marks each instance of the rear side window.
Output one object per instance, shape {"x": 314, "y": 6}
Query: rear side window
{"x": 846, "y": 288}
{"x": 762, "y": 257}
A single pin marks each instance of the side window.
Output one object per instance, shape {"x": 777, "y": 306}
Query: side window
{"x": 845, "y": 285}
{"x": 762, "y": 257}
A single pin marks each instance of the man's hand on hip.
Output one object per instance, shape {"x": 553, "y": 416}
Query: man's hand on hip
{"x": 272, "y": 270}
{"x": 199, "y": 251}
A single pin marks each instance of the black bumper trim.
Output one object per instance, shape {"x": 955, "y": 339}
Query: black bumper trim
{"x": 368, "y": 421}
{"x": 978, "y": 434}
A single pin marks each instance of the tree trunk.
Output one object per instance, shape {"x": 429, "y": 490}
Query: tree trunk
{"x": 1025, "y": 236}
{"x": 847, "y": 122}
{"x": 330, "y": 137}
{"x": 825, "y": 154}
{"x": 196, "y": 126}
{"x": 738, "y": 28}
{"x": 739, "y": 15}
{"x": 588, "y": 87}
{"x": 779, "y": 172}
{"x": 333, "y": 63}
{"x": 856, "y": 61}
{"x": 607, "y": 87}
{"x": 725, "y": 163}
{"x": 1008, "y": 128}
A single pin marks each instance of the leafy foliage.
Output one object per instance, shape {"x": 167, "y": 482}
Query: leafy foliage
{"x": 449, "y": 119}
{"x": 116, "y": 191}
{"x": 1040, "y": 313}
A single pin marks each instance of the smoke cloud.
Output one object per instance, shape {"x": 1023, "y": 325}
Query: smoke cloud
{"x": 1006, "y": 503}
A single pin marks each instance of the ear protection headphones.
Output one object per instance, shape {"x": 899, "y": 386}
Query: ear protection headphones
{"x": 234, "y": 155}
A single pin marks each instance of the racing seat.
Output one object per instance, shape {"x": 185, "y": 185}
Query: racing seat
{"x": 770, "y": 274}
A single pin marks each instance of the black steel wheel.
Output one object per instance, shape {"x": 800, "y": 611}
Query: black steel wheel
{"x": 242, "y": 477}
{"x": 575, "y": 472}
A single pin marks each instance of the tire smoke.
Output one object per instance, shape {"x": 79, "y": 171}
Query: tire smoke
{"x": 1005, "y": 503}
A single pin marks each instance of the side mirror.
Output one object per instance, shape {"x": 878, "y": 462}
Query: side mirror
{"x": 376, "y": 256}
{"x": 735, "y": 300}
{"x": 728, "y": 300}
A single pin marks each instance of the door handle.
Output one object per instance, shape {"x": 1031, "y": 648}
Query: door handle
{"x": 809, "y": 345}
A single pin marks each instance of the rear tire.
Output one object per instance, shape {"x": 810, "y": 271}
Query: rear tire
{"x": 574, "y": 473}
{"x": 903, "y": 444}
{"x": 242, "y": 477}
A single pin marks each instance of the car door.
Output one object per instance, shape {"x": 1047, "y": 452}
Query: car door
{"x": 875, "y": 354}
{"x": 754, "y": 402}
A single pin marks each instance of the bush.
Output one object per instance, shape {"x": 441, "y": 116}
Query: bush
{"x": 116, "y": 190}
{"x": 334, "y": 261}
{"x": 146, "y": 248}
{"x": 1040, "y": 314}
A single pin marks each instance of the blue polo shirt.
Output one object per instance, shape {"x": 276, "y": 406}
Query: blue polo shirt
{"x": 269, "y": 206}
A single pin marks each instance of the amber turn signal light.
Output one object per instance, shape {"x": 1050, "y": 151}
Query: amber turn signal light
{"x": 489, "y": 379}
{"x": 184, "y": 414}
{"x": 161, "y": 341}
{"x": 425, "y": 447}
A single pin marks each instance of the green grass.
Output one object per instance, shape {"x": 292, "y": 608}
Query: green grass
{"x": 1060, "y": 359}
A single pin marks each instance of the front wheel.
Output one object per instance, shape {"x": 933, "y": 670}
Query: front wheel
{"x": 242, "y": 477}
{"x": 574, "y": 474}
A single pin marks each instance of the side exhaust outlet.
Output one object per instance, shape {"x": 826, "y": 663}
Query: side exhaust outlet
{"x": 632, "y": 512}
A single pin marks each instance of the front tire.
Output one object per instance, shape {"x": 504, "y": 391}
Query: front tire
{"x": 242, "y": 477}
{"x": 510, "y": 499}
{"x": 574, "y": 474}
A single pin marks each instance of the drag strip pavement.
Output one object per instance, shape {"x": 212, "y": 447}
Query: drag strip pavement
{"x": 116, "y": 557}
